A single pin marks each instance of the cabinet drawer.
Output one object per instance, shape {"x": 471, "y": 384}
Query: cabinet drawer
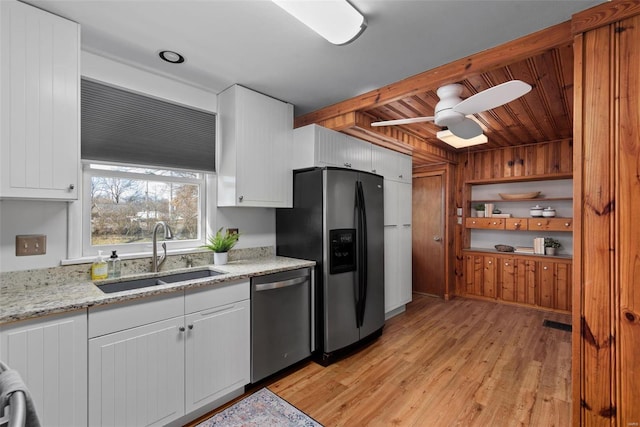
{"x": 492, "y": 223}
{"x": 106, "y": 319}
{"x": 215, "y": 296}
{"x": 517, "y": 224}
{"x": 551, "y": 224}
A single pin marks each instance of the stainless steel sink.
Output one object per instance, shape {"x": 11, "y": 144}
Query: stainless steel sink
{"x": 128, "y": 285}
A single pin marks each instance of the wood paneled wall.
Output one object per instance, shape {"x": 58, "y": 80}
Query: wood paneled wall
{"x": 606, "y": 322}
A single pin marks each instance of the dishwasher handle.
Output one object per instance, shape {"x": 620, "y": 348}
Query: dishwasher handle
{"x": 281, "y": 284}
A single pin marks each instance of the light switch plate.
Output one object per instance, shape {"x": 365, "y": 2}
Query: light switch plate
{"x": 31, "y": 244}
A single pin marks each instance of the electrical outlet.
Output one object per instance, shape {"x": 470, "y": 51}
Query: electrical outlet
{"x": 232, "y": 230}
{"x": 31, "y": 244}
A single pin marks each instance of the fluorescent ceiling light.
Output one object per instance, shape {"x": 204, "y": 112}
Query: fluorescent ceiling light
{"x": 335, "y": 20}
{"x": 457, "y": 142}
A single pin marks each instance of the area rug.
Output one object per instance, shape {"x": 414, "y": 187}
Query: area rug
{"x": 263, "y": 408}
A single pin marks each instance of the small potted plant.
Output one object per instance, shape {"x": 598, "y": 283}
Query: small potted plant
{"x": 221, "y": 243}
{"x": 479, "y": 210}
{"x": 550, "y": 245}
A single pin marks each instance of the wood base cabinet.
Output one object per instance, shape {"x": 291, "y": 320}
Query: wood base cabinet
{"x": 51, "y": 356}
{"x": 528, "y": 280}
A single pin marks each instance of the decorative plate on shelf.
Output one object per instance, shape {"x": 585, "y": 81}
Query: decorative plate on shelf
{"x": 518, "y": 196}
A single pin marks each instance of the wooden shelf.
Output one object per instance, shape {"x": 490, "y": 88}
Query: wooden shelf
{"x": 538, "y": 199}
{"x": 548, "y": 177}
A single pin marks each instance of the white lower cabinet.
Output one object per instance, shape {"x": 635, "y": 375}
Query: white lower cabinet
{"x": 136, "y": 376}
{"x": 217, "y": 353}
{"x": 160, "y": 366}
{"x": 51, "y": 356}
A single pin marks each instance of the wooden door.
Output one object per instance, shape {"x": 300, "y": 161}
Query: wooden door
{"x": 428, "y": 232}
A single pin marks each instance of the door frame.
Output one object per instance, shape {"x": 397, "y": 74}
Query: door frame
{"x": 447, "y": 173}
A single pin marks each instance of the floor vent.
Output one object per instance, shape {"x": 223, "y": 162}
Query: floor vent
{"x": 557, "y": 325}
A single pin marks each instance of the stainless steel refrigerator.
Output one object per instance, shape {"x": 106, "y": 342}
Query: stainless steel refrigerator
{"x": 337, "y": 221}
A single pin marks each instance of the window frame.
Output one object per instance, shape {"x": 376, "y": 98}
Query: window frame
{"x": 142, "y": 248}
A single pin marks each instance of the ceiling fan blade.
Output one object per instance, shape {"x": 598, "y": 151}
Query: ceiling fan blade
{"x": 403, "y": 121}
{"x": 493, "y": 97}
{"x": 466, "y": 129}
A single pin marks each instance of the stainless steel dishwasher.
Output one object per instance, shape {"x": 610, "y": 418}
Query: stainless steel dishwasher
{"x": 281, "y": 321}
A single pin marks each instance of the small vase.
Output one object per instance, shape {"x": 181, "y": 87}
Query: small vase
{"x": 220, "y": 258}
{"x": 550, "y": 251}
{"x": 480, "y": 214}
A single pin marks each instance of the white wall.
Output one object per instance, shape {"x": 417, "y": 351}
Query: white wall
{"x": 257, "y": 226}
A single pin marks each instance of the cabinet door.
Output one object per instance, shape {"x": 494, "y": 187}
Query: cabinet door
{"x": 264, "y": 136}
{"x": 51, "y": 357}
{"x": 473, "y": 274}
{"x": 405, "y": 263}
{"x": 508, "y": 289}
{"x": 405, "y": 167}
{"x": 356, "y": 153}
{"x": 405, "y": 195}
{"x": 382, "y": 161}
{"x": 40, "y": 151}
{"x": 555, "y": 285}
{"x": 217, "y": 353}
{"x": 329, "y": 147}
{"x": 489, "y": 277}
{"x": 525, "y": 282}
{"x": 136, "y": 377}
{"x": 391, "y": 202}
{"x": 392, "y": 279}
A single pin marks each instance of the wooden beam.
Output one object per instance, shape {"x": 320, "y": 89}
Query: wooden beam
{"x": 604, "y": 14}
{"x": 359, "y": 125}
{"x": 500, "y": 56}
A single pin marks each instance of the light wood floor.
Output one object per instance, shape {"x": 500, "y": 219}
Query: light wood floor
{"x": 457, "y": 363}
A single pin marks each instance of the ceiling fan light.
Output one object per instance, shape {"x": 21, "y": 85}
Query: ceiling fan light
{"x": 457, "y": 142}
{"x": 335, "y": 20}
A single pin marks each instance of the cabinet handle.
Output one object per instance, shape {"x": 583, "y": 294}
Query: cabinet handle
{"x": 489, "y": 262}
{"x": 190, "y": 327}
{"x": 473, "y": 222}
{"x": 400, "y": 176}
{"x": 539, "y": 224}
{"x": 437, "y": 238}
{"x": 373, "y": 170}
{"x": 71, "y": 187}
{"x": 241, "y": 198}
{"x": 545, "y": 268}
{"x": 495, "y": 223}
{"x": 506, "y": 263}
{"x": 181, "y": 328}
{"x": 347, "y": 165}
{"x": 566, "y": 224}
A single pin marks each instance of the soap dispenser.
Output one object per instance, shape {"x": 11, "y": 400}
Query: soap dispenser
{"x": 99, "y": 268}
{"x": 115, "y": 267}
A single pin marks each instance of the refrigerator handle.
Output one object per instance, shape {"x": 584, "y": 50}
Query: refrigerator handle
{"x": 358, "y": 255}
{"x": 365, "y": 255}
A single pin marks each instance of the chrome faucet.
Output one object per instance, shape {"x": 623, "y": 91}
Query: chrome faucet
{"x": 155, "y": 262}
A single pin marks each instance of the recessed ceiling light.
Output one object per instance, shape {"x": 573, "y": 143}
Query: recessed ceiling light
{"x": 335, "y": 20}
{"x": 172, "y": 57}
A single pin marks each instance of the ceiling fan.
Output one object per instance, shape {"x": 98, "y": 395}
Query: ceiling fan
{"x": 451, "y": 110}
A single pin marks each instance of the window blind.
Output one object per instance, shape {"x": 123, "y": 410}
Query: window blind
{"x": 122, "y": 126}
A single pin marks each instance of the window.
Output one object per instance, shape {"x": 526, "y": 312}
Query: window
{"x": 123, "y": 203}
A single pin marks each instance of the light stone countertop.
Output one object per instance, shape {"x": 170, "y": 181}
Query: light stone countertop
{"x": 21, "y": 301}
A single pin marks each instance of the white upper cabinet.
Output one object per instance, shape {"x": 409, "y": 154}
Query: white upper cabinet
{"x": 391, "y": 164}
{"x": 39, "y": 92}
{"x": 254, "y": 149}
{"x": 315, "y": 145}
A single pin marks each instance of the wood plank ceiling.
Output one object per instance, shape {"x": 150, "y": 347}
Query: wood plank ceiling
{"x": 543, "y": 59}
